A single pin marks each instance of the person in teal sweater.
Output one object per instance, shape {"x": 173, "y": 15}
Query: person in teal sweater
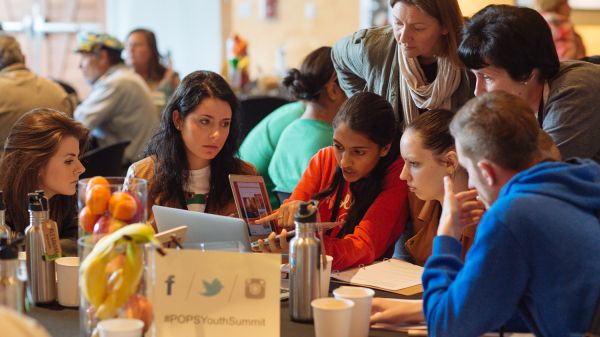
{"x": 259, "y": 145}
{"x": 319, "y": 97}
{"x": 315, "y": 83}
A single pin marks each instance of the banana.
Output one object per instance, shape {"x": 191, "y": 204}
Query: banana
{"x": 94, "y": 281}
{"x": 127, "y": 283}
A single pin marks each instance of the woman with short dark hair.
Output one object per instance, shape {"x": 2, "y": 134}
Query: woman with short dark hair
{"x": 511, "y": 49}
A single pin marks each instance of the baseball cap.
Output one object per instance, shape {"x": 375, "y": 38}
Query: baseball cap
{"x": 88, "y": 42}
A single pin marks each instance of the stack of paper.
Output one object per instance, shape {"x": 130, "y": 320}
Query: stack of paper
{"x": 390, "y": 275}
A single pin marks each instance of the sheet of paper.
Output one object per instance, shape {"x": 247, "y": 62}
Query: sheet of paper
{"x": 390, "y": 275}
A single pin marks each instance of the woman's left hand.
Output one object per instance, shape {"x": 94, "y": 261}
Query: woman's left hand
{"x": 272, "y": 246}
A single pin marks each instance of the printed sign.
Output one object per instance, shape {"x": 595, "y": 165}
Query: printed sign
{"x": 207, "y": 294}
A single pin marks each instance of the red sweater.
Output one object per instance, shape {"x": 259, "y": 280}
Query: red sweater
{"x": 380, "y": 226}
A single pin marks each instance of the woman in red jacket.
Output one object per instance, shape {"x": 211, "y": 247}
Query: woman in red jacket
{"x": 356, "y": 183}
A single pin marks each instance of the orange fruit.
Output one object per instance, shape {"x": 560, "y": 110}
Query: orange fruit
{"x": 122, "y": 206}
{"x": 87, "y": 220}
{"x": 97, "y": 180}
{"x": 96, "y": 198}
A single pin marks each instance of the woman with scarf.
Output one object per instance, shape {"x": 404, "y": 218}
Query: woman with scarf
{"x": 413, "y": 63}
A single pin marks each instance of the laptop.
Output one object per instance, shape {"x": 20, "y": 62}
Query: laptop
{"x": 202, "y": 227}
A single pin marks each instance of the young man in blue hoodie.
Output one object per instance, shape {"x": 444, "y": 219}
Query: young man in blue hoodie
{"x": 536, "y": 253}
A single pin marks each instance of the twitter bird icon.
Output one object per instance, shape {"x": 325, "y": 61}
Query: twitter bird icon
{"x": 212, "y": 288}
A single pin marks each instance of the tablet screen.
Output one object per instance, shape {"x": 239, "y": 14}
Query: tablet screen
{"x": 252, "y": 202}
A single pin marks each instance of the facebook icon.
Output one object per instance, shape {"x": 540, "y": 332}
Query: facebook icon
{"x": 170, "y": 280}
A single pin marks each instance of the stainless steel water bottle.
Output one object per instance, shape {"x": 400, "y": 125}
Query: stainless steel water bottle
{"x": 11, "y": 292}
{"x": 305, "y": 253}
{"x": 42, "y": 280}
{"x": 3, "y": 226}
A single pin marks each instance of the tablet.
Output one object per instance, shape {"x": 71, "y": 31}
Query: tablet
{"x": 252, "y": 203}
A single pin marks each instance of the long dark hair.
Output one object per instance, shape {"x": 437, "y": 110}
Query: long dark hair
{"x": 372, "y": 116}
{"x": 307, "y": 82}
{"x": 156, "y": 69}
{"x": 171, "y": 170}
{"x": 31, "y": 143}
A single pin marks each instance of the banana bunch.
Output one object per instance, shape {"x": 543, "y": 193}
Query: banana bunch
{"x": 108, "y": 292}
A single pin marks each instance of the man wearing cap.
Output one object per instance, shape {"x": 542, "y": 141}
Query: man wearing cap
{"x": 119, "y": 107}
{"x": 22, "y": 90}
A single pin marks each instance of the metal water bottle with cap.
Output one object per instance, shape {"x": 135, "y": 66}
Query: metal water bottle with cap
{"x": 305, "y": 253}
{"x": 11, "y": 292}
{"x": 3, "y": 226}
{"x": 42, "y": 280}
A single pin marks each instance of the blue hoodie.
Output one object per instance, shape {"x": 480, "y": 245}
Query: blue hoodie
{"x": 536, "y": 254}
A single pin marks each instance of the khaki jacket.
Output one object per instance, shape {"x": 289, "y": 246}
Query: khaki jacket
{"x": 22, "y": 90}
{"x": 425, "y": 218}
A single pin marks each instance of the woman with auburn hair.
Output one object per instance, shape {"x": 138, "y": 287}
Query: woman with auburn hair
{"x": 191, "y": 155}
{"x": 413, "y": 63}
{"x": 42, "y": 153}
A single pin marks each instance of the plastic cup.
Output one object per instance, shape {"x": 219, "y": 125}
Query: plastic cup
{"x": 67, "y": 281}
{"x": 326, "y": 277}
{"x": 361, "y": 313}
{"x": 332, "y": 317}
{"x": 120, "y": 327}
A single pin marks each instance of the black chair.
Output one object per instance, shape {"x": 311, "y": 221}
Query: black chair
{"x": 254, "y": 109}
{"x": 105, "y": 161}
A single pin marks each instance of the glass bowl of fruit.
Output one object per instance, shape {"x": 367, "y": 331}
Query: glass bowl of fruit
{"x": 110, "y": 203}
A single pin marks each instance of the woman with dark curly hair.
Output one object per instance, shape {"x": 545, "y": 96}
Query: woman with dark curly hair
{"x": 189, "y": 158}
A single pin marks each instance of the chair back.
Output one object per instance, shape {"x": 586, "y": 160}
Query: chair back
{"x": 105, "y": 161}
{"x": 254, "y": 109}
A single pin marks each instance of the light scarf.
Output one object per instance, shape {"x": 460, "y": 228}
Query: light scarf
{"x": 416, "y": 94}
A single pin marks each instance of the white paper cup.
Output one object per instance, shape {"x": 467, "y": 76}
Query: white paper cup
{"x": 332, "y": 317}
{"x": 67, "y": 281}
{"x": 325, "y": 277}
{"x": 121, "y": 327}
{"x": 361, "y": 313}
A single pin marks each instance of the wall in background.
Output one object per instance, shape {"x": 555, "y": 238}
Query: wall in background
{"x": 298, "y": 27}
{"x": 192, "y": 31}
